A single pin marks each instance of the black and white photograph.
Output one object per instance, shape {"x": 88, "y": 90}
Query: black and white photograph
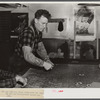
{"x": 50, "y": 45}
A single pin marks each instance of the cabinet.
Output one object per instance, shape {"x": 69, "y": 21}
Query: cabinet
{"x": 11, "y": 24}
{"x": 89, "y": 49}
{"x": 5, "y": 25}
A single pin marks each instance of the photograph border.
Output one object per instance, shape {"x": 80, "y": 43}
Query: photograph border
{"x": 67, "y": 93}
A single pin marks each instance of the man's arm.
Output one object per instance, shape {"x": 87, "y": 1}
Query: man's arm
{"x": 30, "y": 57}
{"x": 42, "y": 51}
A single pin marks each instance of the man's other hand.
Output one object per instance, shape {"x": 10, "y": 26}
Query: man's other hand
{"x": 47, "y": 66}
{"x": 49, "y": 61}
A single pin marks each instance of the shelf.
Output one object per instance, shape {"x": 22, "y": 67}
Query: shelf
{"x": 56, "y": 20}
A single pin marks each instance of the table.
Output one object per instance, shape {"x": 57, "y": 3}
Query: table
{"x": 64, "y": 76}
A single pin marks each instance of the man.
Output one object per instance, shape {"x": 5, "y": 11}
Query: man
{"x": 30, "y": 43}
{"x": 9, "y": 79}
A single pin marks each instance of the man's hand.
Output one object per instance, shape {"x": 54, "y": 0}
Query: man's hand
{"x": 47, "y": 66}
{"x": 49, "y": 61}
{"x": 22, "y": 80}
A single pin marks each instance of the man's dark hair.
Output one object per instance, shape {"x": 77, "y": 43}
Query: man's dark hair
{"x": 42, "y": 12}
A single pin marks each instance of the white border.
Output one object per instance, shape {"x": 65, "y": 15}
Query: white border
{"x": 90, "y": 93}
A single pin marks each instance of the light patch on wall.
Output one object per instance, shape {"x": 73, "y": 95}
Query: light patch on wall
{"x": 53, "y": 31}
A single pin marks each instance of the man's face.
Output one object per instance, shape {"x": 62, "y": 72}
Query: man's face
{"x": 41, "y": 23}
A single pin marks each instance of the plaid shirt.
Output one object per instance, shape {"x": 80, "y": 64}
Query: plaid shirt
{"x": 29, "y": 37}
{"x": 7, "y": 79}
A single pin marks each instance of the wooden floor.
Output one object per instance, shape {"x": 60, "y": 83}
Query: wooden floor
{"x": 65, "y": 76}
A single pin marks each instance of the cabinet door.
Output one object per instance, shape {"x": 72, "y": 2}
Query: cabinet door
{"x": 5, "y": 54}
{"x": 5, "y": 30}
{"x": 5, "y": 24}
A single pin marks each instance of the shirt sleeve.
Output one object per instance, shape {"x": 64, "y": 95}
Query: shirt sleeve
{"x": 27, "y": 38}
{"x": 42, "y": 51}
{"x": 7, "y": 79}
{"x": 6, "y": 74}
{"x": 8, "y": 83}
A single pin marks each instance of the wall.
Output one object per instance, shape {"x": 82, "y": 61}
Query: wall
{"x": 58, "y": 10}
{"x": 62, "y": 10}
{"x": 98, "y": 19}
